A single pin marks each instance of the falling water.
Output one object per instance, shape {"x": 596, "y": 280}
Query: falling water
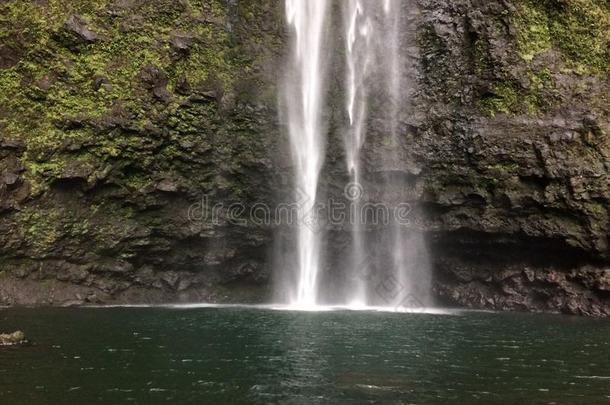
{"x": 409, "y": 253}
{"x": 400, "y": 246}
{"x": 358, "y": 59}
{"x": 358, "y": 25}
{"x": 392, "y": 17}
{"x": 304, "y": 98}
{"x": 374, "y": 64}
{"x": 374, "y": 69}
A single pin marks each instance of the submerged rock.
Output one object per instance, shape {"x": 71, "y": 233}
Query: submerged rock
{"x": 13, "y": 339}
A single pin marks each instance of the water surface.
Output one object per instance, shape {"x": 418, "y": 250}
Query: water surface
{"x": 252, "y": 356}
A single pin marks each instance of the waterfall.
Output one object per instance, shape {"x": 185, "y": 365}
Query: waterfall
{"x": 358, "y": 25}
{"x": 374, "y": 64}
{"x": 374, "y": 69}
{"x": 304, "y": 99}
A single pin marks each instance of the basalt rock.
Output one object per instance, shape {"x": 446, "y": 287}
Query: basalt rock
{"x": 13, "y": 339}
{"x": 110, "y": 138}
{"x": 75, "y": 33}
{"x": 513, "y": 136}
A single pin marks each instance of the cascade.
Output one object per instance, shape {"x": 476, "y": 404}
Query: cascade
{"x": 373, "y": 68}
{"x": 359, "y": 51}
{"x": 304, "y": 97}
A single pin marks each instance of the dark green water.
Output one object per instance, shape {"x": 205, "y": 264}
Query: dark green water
{"x": 250, "y": 356}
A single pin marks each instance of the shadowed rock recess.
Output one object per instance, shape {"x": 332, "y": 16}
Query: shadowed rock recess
{"x": 118, "y": 117}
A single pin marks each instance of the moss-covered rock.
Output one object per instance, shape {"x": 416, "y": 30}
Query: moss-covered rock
{"x": 127, "y": 113}
{"x": 578, "y": 29}
{"x": 13, "y": 339}
{"x": 512, "y": 122}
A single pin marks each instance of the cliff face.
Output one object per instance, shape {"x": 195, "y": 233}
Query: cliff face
{"x": 118, "y": 117}
{"x": 515, "y": 120}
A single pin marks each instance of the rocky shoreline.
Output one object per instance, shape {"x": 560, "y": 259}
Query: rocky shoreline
{"x": 580, "y": 292}
{"x": 577, "y": 292}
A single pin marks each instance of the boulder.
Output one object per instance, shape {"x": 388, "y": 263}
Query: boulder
{"x": 78, "y": 27}
{"x": 13, "y": 339}
{"x": 74, "y": 34}
{"x": 181, "y": 42}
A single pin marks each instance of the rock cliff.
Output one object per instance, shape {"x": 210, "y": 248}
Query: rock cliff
{"x": 120, "y": 120}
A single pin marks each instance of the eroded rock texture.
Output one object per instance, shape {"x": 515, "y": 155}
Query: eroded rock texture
{"x": 116, "y": 119}
{"x": 512, "y": 135}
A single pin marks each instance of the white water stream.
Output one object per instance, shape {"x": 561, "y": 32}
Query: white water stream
{"x": 373, "y": 65}
{"x": 304, "y": 98}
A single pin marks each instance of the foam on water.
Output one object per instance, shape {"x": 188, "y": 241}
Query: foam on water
{"x": 294, "y": 308}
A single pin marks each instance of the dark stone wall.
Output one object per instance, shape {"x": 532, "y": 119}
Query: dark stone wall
{"x": 117, "y": 117}
{"x": 511, "y": 136}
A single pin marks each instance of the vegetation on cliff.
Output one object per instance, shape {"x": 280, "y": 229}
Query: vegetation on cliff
{"x": 112, "y": 109}
{"x": 554, "y": 39}
{"x": 76, "y": 72}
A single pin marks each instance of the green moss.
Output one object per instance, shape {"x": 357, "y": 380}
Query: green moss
{"x": 508, "y": 167}
{"x": 489, "y": 183}
{"x": 533, "y": 30}
{"x": 579, "y": 29}
{"x": 503, "y": 98}
{"x": 138, "y": 181}
{"x": 54, "y": 84}
{"x": 43, "y": 227}
{"x": 481, "y": 57}
{"x": 510, "y": 97}
{"x": 38, "y": 173}
{"x": 40, "y": 229}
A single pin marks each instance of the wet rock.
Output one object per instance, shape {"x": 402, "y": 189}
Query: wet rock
{"x": 9, "y": 57}
{"x": 167, "y": 185}
{"x": 118, "y": 117}
{"x": 73, "y": 273}
{"x": 78, "y": 26}
{"x": 145, "y": 276}
{"x": 76, "y": 170}
{"x": 544, "y": 289}
{"x": 181, "y": 42}
{"x": 184, "y": 284}
{"x": 12, "y": 143}
{"x": 171, "y": 278}
{"x": 73, "y": 303}
{"x": 13, "y": 339}
{"x": 9, "y": 179}
{"x": 183, "y": 87}
{"x": 156, "y": 80}
{"x": 75, "y": 33}
{"x": 603, "y": 281}
{"x": 118, "y": 266}
{"x": 118, "y": 7}
{"x": 132, "y": 23}
{"x": 101, "y": 82}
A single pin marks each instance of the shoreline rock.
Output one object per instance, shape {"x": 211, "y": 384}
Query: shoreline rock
{"x": 13, "y": 339}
